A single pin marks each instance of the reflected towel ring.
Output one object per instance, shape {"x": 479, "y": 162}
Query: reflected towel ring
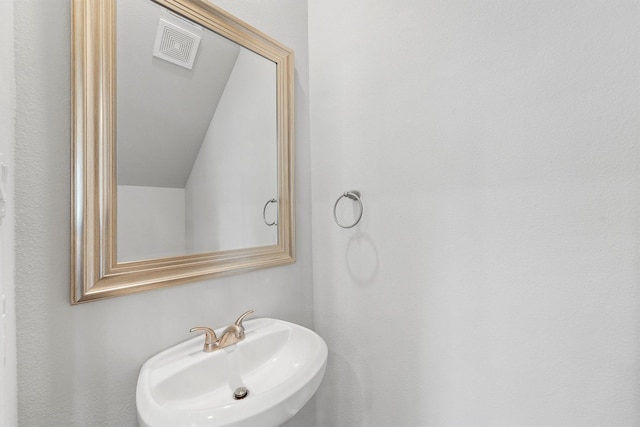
{"x": 353, "y": 195}
{"x": 264, "y": 213}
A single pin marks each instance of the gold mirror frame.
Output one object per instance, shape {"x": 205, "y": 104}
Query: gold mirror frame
{"x": 95, "y": 272}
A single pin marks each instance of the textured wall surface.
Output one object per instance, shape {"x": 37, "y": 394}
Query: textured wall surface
{"x": 78, "y": 366}
{"x": 151, "y": 222}
{"x": 237, "y": 162}
{"x": 8, "y": 396}
{"x": 494, "y": 277}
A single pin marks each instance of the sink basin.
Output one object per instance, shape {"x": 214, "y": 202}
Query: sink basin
{"x": 281, "y": 364}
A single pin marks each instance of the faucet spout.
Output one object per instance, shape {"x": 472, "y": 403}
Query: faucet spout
{"x": 232, "y": 335}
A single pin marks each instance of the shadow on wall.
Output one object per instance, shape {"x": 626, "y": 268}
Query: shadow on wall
{"x": 360, "y": 253}
{"x": 361, "y": 256}
{"x": 368, "y": 303}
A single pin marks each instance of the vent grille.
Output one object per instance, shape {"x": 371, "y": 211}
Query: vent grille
{"x": 175, "y": 44}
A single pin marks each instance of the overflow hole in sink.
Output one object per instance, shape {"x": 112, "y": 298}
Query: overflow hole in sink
{"x": 240, "y": 393}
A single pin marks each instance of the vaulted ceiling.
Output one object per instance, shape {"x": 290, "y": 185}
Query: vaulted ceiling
{"x": 163, "y": 109}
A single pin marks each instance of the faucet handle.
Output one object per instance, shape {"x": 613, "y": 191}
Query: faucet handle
{"x": 210, "y": 338}
{"x": 238, "y": 322}
{"x": 238, "y": 327}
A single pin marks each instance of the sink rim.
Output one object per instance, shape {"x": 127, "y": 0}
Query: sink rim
{"x": 154, "y": 412}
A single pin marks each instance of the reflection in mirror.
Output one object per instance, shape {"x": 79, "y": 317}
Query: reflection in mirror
{"x": 185, "y": 171}
{"x": 196, "y": 135}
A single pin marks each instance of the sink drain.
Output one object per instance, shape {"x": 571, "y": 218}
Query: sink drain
{"x": 240, "y": 393}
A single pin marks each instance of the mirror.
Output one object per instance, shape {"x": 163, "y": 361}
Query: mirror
{"x": 182, "y": 146}
{"x": 196, "y": 137}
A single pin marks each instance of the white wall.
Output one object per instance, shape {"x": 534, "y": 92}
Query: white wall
{"x": 151, "y": 222}
{"x": 78, "y": 365}
{"x": 8, "y": 394}
{"x": 494, "y": 277}
{"x": 235, "y": 172}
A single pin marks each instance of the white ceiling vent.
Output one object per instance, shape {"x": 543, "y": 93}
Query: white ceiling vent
{"x": 175, "y": 44}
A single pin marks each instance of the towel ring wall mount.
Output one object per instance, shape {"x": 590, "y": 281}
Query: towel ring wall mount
{"x": 355, "y": 196}
{"x": 264, "y": 213}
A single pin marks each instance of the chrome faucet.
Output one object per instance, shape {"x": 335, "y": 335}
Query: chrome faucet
{"x": 233, "y": 334}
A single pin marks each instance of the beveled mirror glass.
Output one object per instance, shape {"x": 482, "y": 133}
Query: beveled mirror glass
{"x": 182, "y": 146}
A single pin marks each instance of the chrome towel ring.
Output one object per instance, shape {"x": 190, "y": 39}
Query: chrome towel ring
{"x": 264, "y": 213}
{"x": 353, "y": 195}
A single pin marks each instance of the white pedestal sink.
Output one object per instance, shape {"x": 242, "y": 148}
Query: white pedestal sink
{"x": 281, "y": 364}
